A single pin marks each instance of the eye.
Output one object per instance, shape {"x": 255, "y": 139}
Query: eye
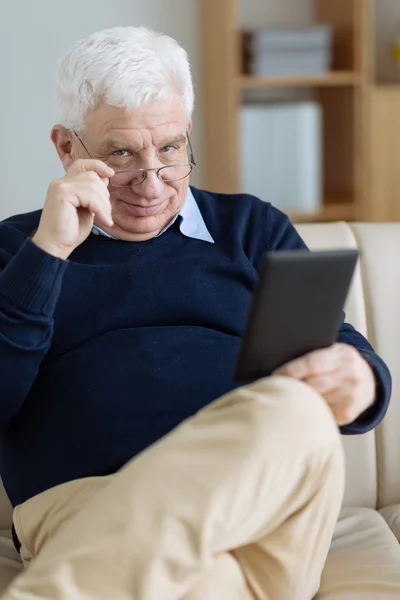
{"x": 122, "y": 153}
{"x": 167, "y": 149}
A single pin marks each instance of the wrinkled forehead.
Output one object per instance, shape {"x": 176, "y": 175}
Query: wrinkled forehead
{"x": 146, "y": 125}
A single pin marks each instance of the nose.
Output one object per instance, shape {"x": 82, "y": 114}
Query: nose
{"x": 151, "y": 188}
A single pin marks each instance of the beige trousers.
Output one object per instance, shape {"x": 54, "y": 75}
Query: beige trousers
{"x": 239, "y": 502}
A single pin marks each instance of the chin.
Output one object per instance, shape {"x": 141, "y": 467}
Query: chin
{"x": 137, "y": 229}
{"x": 133, "y": 217}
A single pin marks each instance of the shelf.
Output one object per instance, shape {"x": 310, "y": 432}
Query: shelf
{"x": 386, "y": 87}
{"x": 331, "y": 212}
{"x": 333, "y": 79}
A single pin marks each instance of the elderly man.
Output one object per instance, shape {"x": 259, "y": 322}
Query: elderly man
{"x": 138, "y": 469}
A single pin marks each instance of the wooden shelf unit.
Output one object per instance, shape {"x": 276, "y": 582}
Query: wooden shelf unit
{"x": 333, "y": 79}
{"x": 355, "y": 121}
{"x": 330, "y": 212}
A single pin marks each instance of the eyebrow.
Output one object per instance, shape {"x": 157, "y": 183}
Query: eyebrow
{"x": 177, "y": 139}
{"x": 111, "y": 145}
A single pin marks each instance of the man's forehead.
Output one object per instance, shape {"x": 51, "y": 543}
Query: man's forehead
{"x": 155, "y": 119}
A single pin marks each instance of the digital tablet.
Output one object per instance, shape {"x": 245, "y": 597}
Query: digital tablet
{"x": 296, "y": 308}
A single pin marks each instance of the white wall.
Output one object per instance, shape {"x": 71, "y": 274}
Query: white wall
{"x": 33, "y": 34}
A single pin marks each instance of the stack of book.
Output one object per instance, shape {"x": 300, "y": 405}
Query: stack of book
{"x": 284, "y": 52}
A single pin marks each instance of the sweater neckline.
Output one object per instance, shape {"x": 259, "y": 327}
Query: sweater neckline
{"x": 138, "y": 248}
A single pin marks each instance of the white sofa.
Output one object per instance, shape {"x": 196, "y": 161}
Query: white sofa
{"x": 364, "y": 562}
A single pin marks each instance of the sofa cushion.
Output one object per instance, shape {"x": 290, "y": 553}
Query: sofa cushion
{"x": 10, "y": 563}
{"x": 5, "y": 510}
{"x": 364, "y": 560}
{"x": 391, "y": 514}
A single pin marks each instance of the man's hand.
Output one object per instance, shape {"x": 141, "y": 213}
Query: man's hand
{"x": 72, "y": 203}
{"x": 341, "y": 375}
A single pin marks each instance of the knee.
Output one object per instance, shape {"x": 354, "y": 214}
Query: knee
{"x": 292, "y": 412}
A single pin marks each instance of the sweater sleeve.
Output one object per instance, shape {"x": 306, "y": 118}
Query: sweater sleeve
{"x": 282, "y": 235}
{"x": 30, "y": 284}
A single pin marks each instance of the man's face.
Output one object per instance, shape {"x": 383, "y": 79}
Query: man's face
{"x": 150, "y": 137}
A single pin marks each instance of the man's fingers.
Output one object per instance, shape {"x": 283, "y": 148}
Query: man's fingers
{"x": 98, "y": 202}
{"x": 97, "y": 190}
{"x": 313, "y": 364}
{"x": 338, "y": 394}
{"x": 93, "y": 196}
{"x": 88, "y": 165}
{"x": 342, "y": 377}
{"x": 325, "y": 383}
{"x": 344, "y": 404}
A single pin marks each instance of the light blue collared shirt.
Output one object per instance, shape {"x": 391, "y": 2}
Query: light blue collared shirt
{"x": 191, "y": 224}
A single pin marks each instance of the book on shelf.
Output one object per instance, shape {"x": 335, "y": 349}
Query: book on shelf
{"x": 318, "y": 37}
{"x": 274, "y": 52}
{"x": 280, "y": 154}
{"x": 280, "y": 65}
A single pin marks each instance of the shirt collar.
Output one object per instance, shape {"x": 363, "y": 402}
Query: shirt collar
{"x": 191, "y": 223}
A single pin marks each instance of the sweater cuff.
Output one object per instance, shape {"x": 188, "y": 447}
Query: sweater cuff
{"x": 32, "y": 279}
{"x": 373, "y": 416}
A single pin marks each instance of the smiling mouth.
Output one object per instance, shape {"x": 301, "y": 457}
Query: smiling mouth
{"x": 138, "y": 210}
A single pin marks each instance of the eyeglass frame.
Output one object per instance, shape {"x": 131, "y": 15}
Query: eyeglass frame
{"x": 192, "y": 164}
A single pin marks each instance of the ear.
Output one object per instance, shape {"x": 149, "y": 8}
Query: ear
{"x": 62, "y": 140}
{"x": 190, "y": 125}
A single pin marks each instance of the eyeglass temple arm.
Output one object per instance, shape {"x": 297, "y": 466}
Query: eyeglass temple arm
{"x": 83, "y": 144}
{"x": 191, "y": 151}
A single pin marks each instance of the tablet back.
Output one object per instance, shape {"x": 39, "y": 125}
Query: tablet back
{"x": 297, "y": 308}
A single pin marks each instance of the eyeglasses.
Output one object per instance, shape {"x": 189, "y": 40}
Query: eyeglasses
{"x": 132, "y": 177}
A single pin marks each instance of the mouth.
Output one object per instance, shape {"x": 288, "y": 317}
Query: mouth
{"x": 138, "y": 210}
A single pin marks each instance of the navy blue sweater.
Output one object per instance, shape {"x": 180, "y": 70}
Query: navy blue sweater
{"x": 103, "y": 354}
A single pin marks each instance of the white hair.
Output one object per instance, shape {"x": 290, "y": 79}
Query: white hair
{"x": 124, "y": 66}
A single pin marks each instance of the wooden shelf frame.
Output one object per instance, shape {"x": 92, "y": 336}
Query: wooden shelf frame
{"x": 332, "y": 79}
{"x": 340, "y": 211}
{"x": 356, "y": 118}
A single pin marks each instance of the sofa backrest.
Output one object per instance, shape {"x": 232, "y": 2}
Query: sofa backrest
{"x": 372, "y": 460}
{"x": 361, "y": 453}
{"x": 379, "y": 245}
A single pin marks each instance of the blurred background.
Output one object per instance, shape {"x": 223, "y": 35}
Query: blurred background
{"x": 298, "y": 101}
